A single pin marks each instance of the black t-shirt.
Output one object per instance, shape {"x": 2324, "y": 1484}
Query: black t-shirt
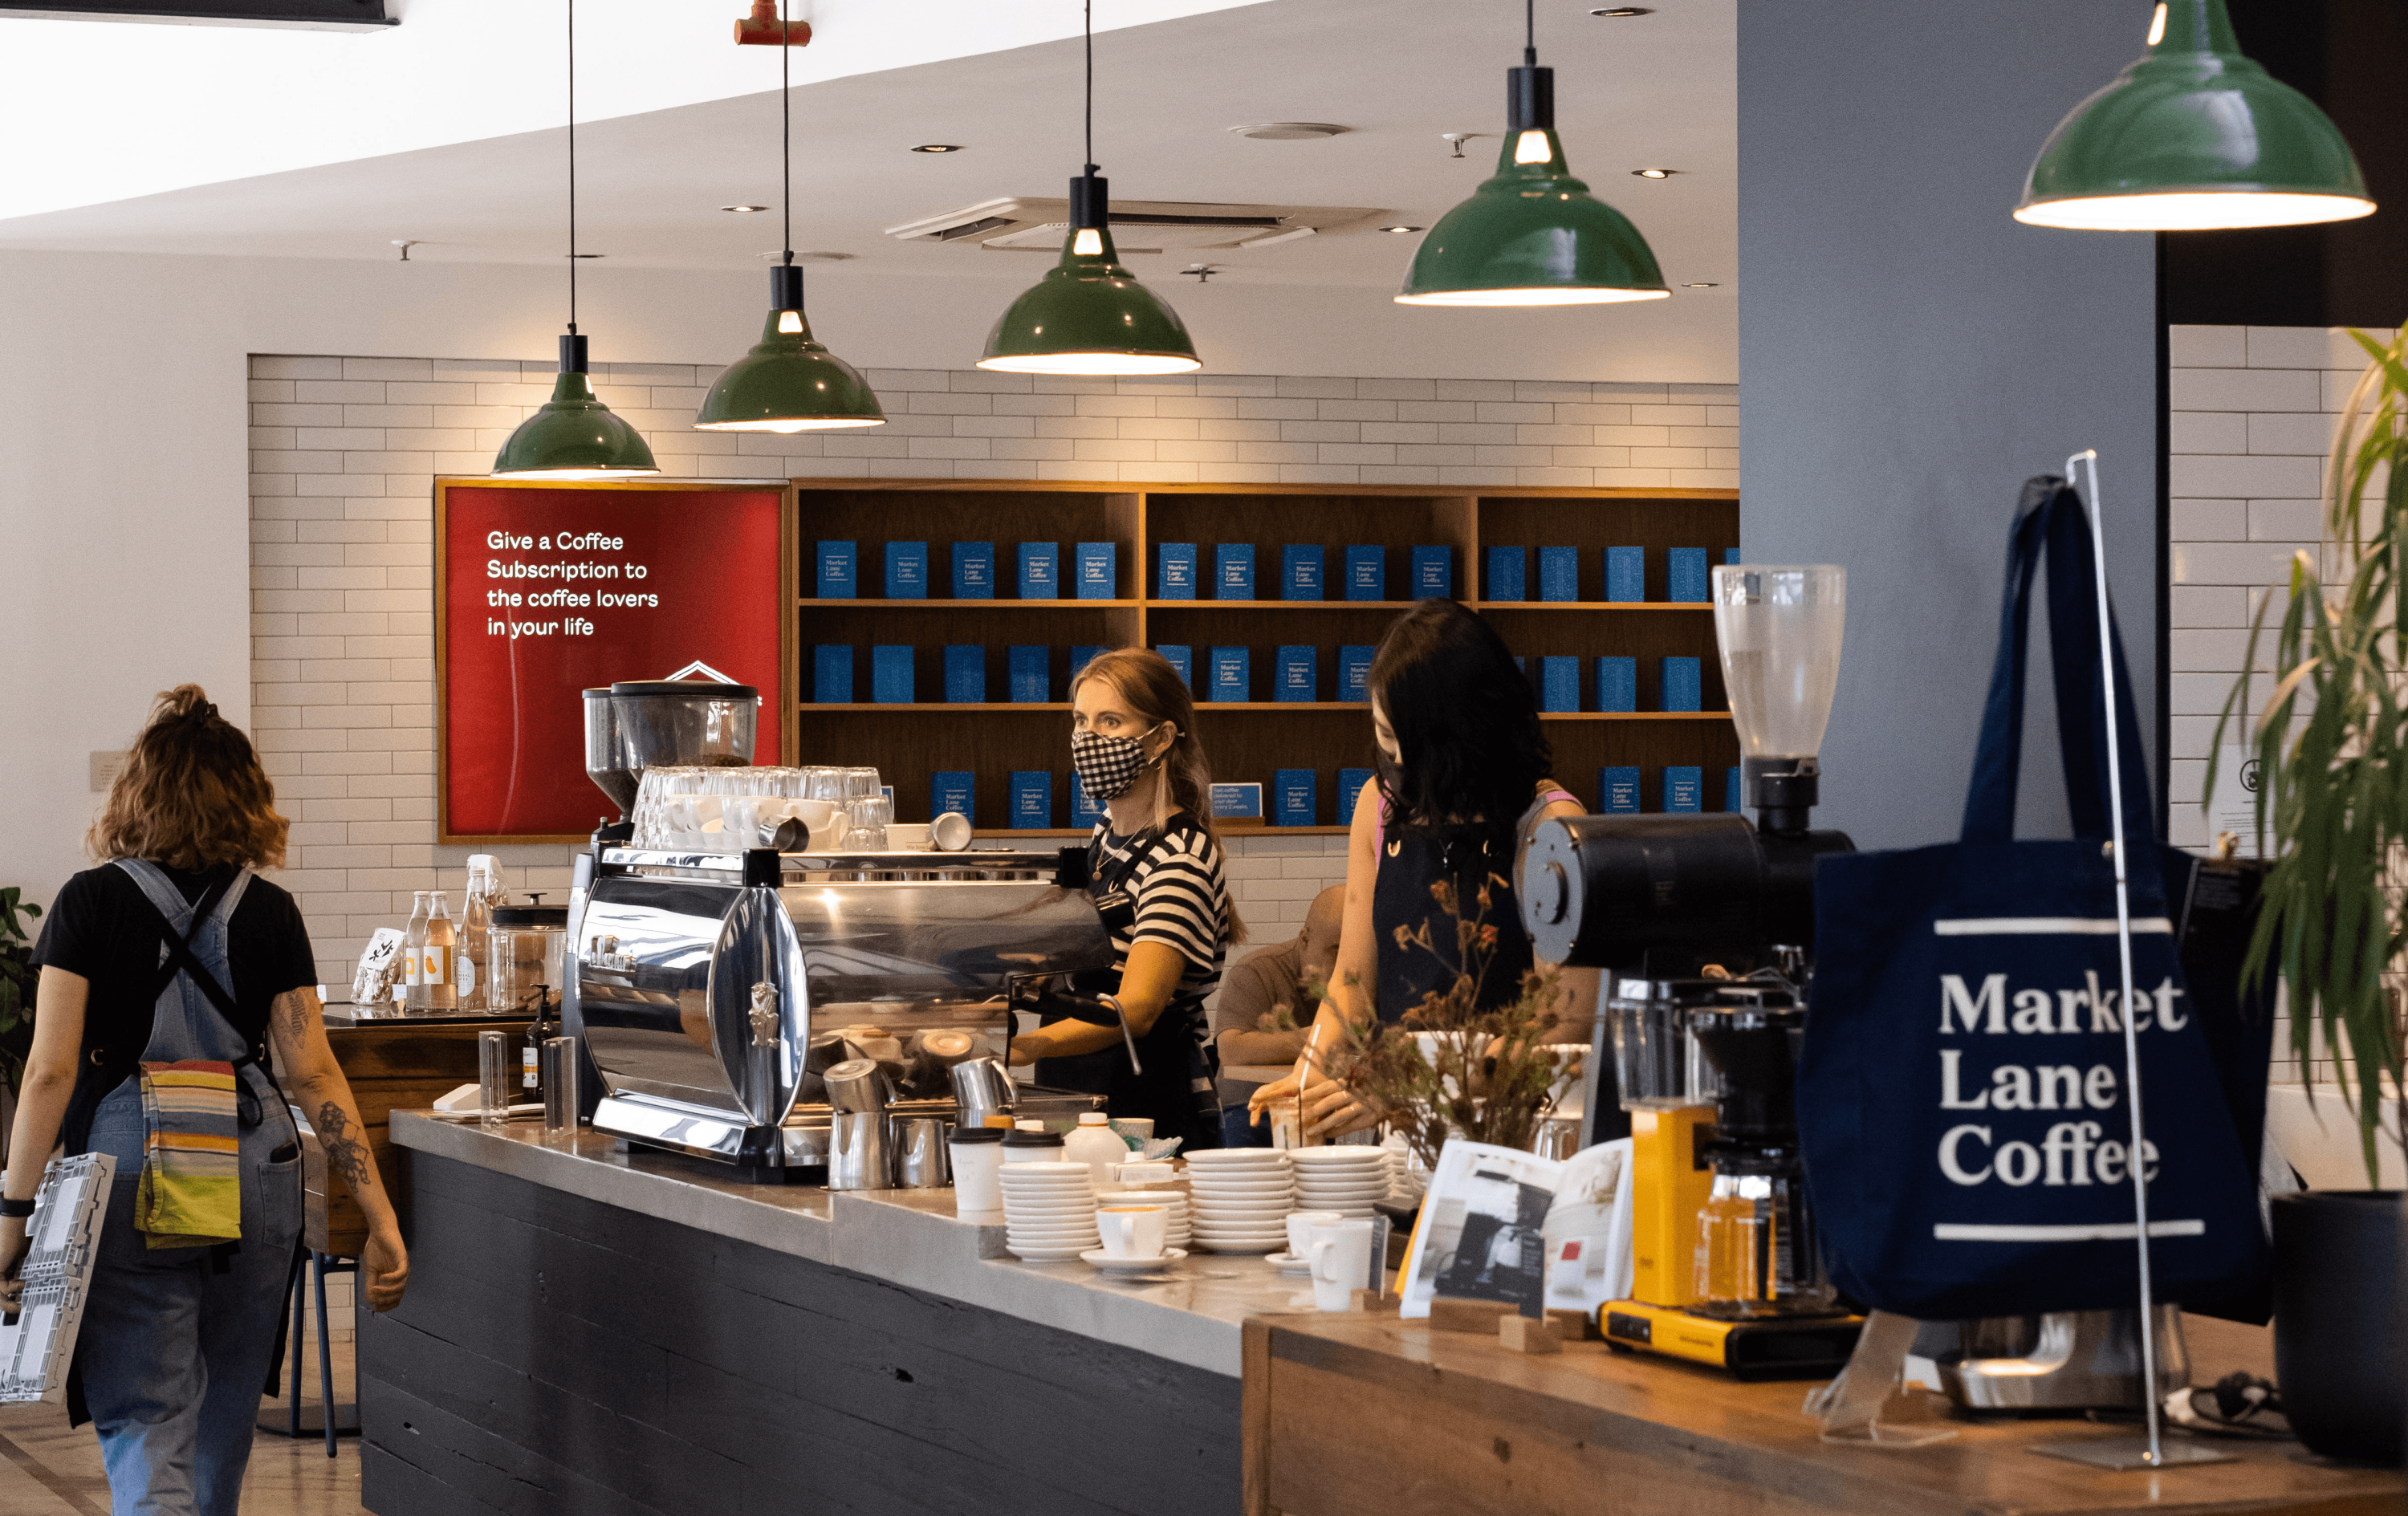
{"x": 103, "y": 927}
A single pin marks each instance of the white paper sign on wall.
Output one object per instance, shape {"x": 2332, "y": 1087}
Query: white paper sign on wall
{"x": 2232, "y": 805}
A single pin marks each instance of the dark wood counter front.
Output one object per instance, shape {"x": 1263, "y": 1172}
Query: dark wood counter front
{"x": 1366, "y": 1415}
{"x": 392, "y": 1064}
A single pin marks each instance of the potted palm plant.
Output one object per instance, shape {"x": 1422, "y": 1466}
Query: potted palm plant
{"x": 2330, "y": 746}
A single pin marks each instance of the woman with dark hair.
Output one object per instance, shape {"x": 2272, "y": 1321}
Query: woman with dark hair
{"x": 175, "y": 986}
{"x": 1153, "y": 867}
{"x": 1463, "y": 777}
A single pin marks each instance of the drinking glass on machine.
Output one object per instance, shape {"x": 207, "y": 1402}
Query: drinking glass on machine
{"x": 862, "y": 784}
{"x": 497, "y": 1075}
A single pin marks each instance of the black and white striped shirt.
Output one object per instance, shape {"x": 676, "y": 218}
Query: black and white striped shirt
{"x": 1181, "y": 899}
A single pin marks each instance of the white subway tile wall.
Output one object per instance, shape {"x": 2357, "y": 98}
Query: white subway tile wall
{"x": 2253, "y": 414}
{"x": 345, "y": 451}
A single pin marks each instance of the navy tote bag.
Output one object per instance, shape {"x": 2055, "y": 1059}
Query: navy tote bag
{"x": 1961, "y": 1088}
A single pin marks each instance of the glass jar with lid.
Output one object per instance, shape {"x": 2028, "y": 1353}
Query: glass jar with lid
{"x": 527, "y": 947}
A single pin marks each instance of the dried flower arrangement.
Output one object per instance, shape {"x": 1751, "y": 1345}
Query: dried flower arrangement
{"x": 1486, "y": 1075}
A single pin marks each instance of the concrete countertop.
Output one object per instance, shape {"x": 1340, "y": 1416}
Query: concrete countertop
{"x": 1191, "y": 1314}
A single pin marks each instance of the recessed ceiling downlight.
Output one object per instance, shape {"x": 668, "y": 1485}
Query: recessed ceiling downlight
{"x": 938, "y": 147}
{"x": 1401, "y": 229}
{"x": 1288, "y": 131}
{"x": 743, "y": 209}
{"x": 1653, "y": 173}
{"x": 1622, "y": 12}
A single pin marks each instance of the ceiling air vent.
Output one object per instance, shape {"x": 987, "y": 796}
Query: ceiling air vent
{"x": 1027, "y": 223}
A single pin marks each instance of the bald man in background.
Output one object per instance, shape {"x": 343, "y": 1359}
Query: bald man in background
{"x": 1245, "y": 1013}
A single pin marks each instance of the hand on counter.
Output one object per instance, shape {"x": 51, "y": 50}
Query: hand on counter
{"x": 384, "y": 1268}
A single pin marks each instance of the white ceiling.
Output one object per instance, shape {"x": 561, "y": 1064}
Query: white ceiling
{"x": 473, "y": 186}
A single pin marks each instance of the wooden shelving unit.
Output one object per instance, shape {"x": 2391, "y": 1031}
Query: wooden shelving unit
{"x": 1247, "y": 739}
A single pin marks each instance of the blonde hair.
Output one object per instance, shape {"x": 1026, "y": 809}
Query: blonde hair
{"x": 192, "y": 793}
{"x": 1156, "y": 694}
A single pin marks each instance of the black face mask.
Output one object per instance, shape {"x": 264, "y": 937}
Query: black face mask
{"x": 1108, "y": 766}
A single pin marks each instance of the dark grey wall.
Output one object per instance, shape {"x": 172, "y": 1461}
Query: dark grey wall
{"x": 1909, "y": 354}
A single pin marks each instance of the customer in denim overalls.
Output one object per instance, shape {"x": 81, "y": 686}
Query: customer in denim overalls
{"x": 176, "y": 951}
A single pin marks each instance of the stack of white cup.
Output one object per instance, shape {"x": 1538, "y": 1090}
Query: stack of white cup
{"x": 1345, "y": 1179}
{"x": 1243, "y": 1197}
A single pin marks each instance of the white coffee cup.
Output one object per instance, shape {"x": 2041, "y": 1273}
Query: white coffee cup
{"x": 1299, "y": 1228}
{"x": 1134, "y": 1231}
{"x": 1340, "y": 1252}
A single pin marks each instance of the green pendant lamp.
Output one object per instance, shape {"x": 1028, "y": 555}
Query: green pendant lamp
{"x": 2193, "y": 137}
{"x": 1532, "y": 235}
{"x": 788, "y": 382}
{"x": 1088, "y": 315}
{"x": 574, "y": 435}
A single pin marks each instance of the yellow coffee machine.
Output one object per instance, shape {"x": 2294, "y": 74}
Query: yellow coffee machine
{"x": 1725, "y": 1269}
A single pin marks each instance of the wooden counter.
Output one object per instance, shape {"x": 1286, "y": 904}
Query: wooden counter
{"x": 1366, "y": 1415}
{"x": 392, "y": 1064}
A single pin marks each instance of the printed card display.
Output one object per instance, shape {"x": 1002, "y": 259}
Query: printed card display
{"x": 1300, "y": 573}
{"x": 1174, "y": 571}
{"x": 1366, "y": 573}
{"x": 1509, "y": 575}
{"x": 955, "y": 789}
{"x": 1626, "y": 575}
{"x": 1300, "y": 675}
{"x": 1498, "y": 1223}
{"x": 1355, "y": 671}
{"x": 965, "y": 673}
{"x": 890, "y": 674}
{"x": 1730, "y": 555}
{"x": 1233, "y": 571}
{"x": 907, "y": 571}
{"x": 1685, "y": 575}
{"x": 1231, "y": 677}
{"x": 1683, "y": 788}
{"x": 832, "y": 673}
{"x": 1682, "y": 684}
{"x": 1617, "y": 789}
{"x": 1559, "y": 684}
{"x": 1099, "y": 570}
{"x": 973, "y": 570}
{"x": 1030, "y": 684}
{"x": 1081, "y": 656}
{"x": 837, "y": 563}
{"x": 1238, "y": 801}
{"x": 1182, "y": 657}
{"x": 1032, "y": 799}
{"x": 1433, "y": 573}
{"x": 1293, "y": 788}
{"x": 1734, "y": 790}
{"x": 1617, "y": 684}
{"x": 1558, "y": 574}
{"x": 1083, "y": 811}
{"x": 1040, "y": 571}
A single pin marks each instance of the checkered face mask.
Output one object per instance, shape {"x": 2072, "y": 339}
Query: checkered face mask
{"x": 1108, "y": 766}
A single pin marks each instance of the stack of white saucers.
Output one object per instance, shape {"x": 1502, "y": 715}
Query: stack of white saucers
{"x": 1241, "y": 1198}
{"x": 1345, "y": 1179}
{"x": 1180, "y": 1229}
{"x": 1049, "y": 1211}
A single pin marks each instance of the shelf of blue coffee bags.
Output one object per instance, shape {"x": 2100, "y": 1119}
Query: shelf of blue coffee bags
{"x": 1284, "y": 591}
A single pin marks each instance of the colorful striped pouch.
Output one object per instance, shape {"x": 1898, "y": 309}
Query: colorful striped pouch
{"x": 191, "y": 1192}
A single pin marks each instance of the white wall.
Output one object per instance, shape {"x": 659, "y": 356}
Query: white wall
{"x": 123, "y": 515}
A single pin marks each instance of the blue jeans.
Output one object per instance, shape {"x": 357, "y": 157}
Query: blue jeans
{"x": 1237, "y": 1133}
{"x": 174, "y": 1354}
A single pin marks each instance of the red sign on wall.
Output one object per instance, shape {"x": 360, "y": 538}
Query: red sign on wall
{"x": 544, "y": 591}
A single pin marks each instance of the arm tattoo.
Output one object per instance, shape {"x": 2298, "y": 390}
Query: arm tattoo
{"x": 345, "y": 1154}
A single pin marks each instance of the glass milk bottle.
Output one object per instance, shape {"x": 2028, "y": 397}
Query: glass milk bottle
{"x": 435, "y": 971}
{"x": 475, "y": 931}
{"x": 414, "y": 956}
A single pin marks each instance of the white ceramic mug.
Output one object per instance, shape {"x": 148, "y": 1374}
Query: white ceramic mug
{"x": 1299, "y": 1228}
{"x": 1340, "y": 1252}
{"x": 1133, "y": 1230}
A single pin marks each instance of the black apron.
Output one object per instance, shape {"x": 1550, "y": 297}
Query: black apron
{"x": 1177, "y": 1091}
{"x": 1466, "y": 855}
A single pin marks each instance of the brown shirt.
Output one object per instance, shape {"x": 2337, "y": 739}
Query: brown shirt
{"x": 1254, "y": 988}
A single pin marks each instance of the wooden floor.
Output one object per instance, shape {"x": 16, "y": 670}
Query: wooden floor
{"x": 48, "y": 1469}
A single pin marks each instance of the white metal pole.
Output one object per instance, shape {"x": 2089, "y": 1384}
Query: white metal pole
{"x": 2139, "y": 1163}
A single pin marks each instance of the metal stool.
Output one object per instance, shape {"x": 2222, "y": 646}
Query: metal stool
{"x": 338, "y": 1419}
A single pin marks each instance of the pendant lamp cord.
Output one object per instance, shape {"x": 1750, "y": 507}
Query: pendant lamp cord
{"x": 572, "y": 167}
{"x": 1091, "y": 84}
{"x": 787, "y": 124}
{"x": 1529, "y": 34}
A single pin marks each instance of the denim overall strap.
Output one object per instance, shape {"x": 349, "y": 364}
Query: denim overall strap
{"x": 184, "y": 1024}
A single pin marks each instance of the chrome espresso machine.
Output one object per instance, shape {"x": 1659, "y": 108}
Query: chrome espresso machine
{"x": 712, "y": 991}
